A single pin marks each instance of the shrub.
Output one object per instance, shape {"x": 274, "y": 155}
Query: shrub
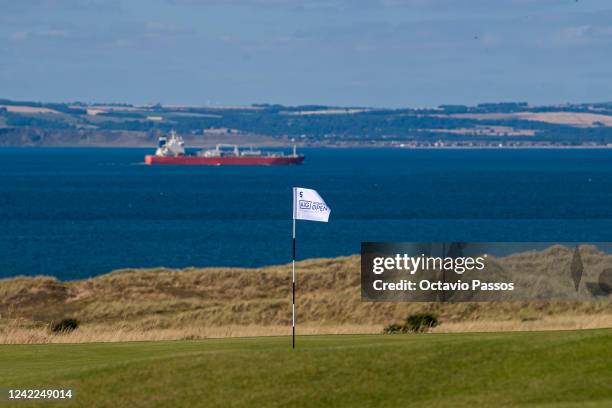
{"x": 394, "y": 328}
{"x": 416, "y": 323}
{"x": 65, "y": 325}
{"x": 421, "y": 322}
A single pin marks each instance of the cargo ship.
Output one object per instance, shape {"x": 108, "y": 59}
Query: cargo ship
{"x": 171, "y": 151}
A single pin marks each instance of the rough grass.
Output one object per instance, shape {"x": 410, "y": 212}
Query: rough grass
{"x": 160, "y": 303}
{"x": 534, "y": 369}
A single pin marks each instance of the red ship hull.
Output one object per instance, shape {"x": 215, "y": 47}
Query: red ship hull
{"x": 224, "y": 161}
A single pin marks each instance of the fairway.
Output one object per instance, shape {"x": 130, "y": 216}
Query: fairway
{"x": 569, "y": 369}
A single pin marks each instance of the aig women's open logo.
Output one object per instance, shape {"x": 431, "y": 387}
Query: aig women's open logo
{"x": 311, "y": 205}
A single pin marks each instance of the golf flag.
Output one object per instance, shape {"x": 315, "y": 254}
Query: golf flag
{"x": 308, "y": 205}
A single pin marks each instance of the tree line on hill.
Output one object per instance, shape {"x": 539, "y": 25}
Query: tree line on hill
{"x": 306, "y": 124}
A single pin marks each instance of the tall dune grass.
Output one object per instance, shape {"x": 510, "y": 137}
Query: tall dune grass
{"x": 161, "y": 303}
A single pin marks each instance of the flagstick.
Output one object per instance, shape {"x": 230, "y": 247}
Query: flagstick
{"x": 293, "y": 291}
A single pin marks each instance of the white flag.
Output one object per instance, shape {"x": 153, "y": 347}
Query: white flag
{"x": 308, "y": 205}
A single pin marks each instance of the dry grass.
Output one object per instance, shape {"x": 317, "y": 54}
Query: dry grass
{"x": 580, "y": 119}
{"x": 14, "y": 334}
{"x": 95, "y": 333}
{"x": 576, "y": 322}
{"x": 27, "y": 109}
{"x": 152, "y": 304}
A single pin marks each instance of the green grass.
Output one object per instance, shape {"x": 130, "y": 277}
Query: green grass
{"x": 566, "y": 369}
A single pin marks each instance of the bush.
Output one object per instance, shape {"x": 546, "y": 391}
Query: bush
{"x": 416, "y": 323}
{"x": 65, "y": 325}
{"x": 394, "y": 328}
{"x": 421, "y": 322}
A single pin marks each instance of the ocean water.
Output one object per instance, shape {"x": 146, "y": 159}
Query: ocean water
{"x": 74, "y": 213}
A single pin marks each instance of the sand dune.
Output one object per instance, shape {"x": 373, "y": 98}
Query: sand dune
{"x": 211, "y": 302}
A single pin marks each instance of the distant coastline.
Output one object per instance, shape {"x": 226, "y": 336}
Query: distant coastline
{"x": 285, "y": 146}
{"x": 488, "y": 125}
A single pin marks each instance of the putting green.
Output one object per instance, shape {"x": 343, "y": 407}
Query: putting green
{"x": 567, "y": 369}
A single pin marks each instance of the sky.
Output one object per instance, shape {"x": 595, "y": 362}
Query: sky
{"x": 376, "y": 53}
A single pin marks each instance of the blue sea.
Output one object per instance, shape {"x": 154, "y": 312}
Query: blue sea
{"x": 74, "y": 212}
